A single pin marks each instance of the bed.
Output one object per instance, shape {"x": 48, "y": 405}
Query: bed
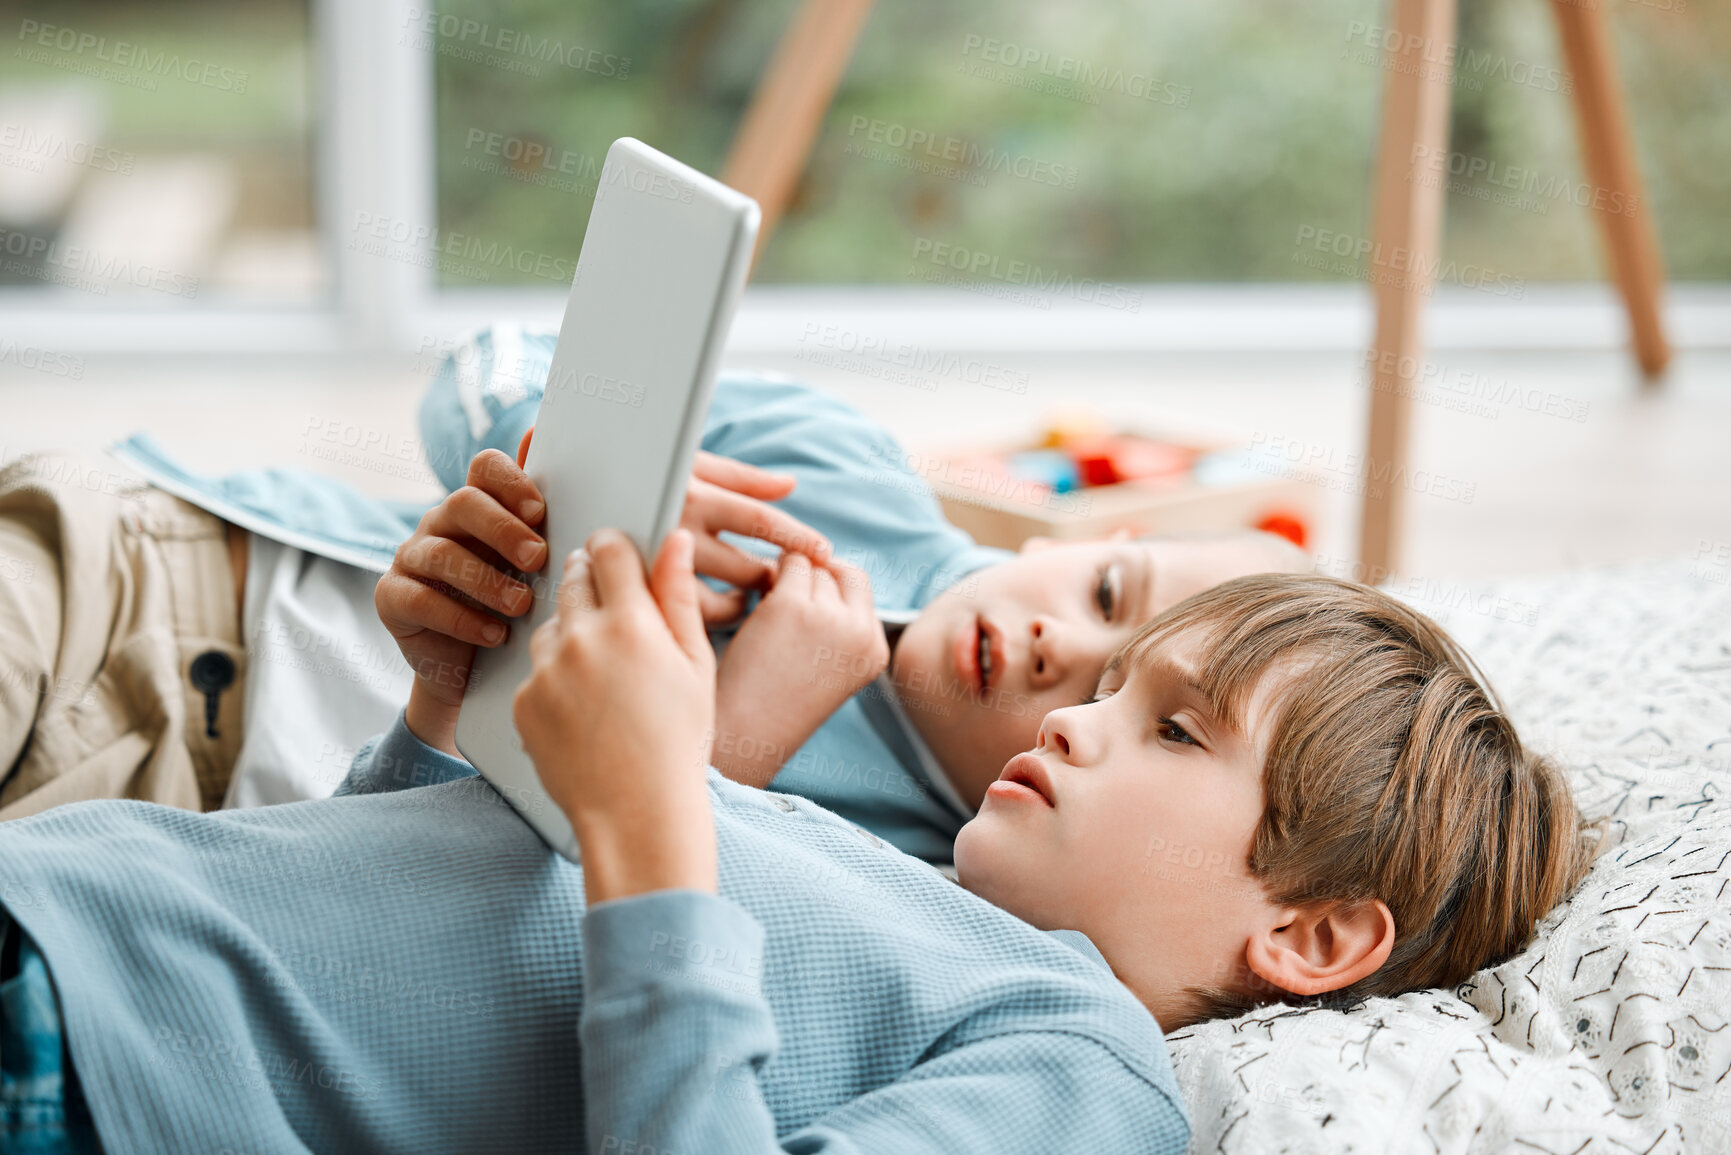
{"x": 1609, "y": 1031}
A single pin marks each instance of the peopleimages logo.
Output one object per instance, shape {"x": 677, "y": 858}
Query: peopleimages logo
{"x": 125, "y": 54}
{"x": 1538, "y": 185}
{"x": 1406, "y": 268}
{"x": 1068, "y": 76}
{"x": 1412, "y": 53}
{"x": 990, "y": 266}
{"x": 478, "y": 41}
{"x": 27, "y": 147}
{"x": 41, "y": 360}
{"x": 82, "y": 267}
{"x": 656, "y": 184}
{"x": 1352, "y": 473}
{"x": 967, "y": 157}
{"x": 878, "y": 356}
{"x": 531, "y": 162}
{"x": 423, "y": 244}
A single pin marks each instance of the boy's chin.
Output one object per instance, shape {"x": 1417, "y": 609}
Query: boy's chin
{"x": 972, "y": 850}
{"x": 986, "y": 862}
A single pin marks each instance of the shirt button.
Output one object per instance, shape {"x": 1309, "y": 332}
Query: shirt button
{"x": 782, "y": 802}
{"x": 868, "y": 836}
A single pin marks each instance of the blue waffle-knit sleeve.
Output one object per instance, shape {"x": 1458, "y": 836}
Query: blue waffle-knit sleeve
{"x": 675, "y": 1032}
{"x": 396, "y": 760}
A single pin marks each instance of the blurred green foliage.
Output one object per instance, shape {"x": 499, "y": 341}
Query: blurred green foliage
{"x": 1264, "y": 123}
{"x": 260, "y": 118}
{"x": 266, "y": 42}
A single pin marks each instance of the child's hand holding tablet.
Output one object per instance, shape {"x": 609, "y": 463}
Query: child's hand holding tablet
{"x": 617, "y": 716}
{"x": 664, "y": 260}
{"x": 449, "y": 583}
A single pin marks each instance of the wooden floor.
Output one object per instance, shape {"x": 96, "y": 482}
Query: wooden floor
{"x": 1638, "y": 476}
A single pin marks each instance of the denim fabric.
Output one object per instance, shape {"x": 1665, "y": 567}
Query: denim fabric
{"x": 42, "y": 1110}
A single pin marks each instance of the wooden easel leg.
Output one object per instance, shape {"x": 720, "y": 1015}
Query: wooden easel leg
{"x": 1407, "y": 241}
{"x": 781, "y": 124}
{"x": 1607, "y": 148}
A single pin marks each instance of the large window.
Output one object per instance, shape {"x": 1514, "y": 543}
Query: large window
{"x": 159, "y": 155}
{"x": 342, "y": 173}
{"x": 1132, "y": 141}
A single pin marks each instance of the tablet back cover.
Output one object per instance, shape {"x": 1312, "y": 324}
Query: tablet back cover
{"x": 664, "y": 259}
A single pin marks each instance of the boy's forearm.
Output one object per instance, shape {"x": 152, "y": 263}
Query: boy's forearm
{"x": 757, "y": 771}
{"x": 647, "y": 844}
{"x": 751, "y": 748}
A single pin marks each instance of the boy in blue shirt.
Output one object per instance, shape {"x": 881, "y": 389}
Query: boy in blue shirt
{"x": 973, "y": 644}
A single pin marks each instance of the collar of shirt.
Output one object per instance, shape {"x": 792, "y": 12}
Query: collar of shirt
{"x": 1084, "y": 945}
{"x": 884, "y": 710}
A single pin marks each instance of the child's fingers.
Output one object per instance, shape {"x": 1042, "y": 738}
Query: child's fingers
{"x": 617, "y": 569}
{"x": 471, "y": 513}
{"x": 856, "y": 587}
{"x": 577, "y": 594}
{"x": 741, "y": 478}
{"x": 544, "y": 643}
{"x": 407, "y": 605}
{"x": 719, "y": 608}
{"x": 439, "y": 560}
{"x": 674, "y": 587}
{"x": 750, "y": 517}
{"x": 496, "y": 475}
{"x": 792, "y": 579}
{"x": 731, "y": 564}
{"x": 823, "y": 586}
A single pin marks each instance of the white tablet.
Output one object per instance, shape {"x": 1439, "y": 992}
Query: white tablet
{"x": 664, "y": 259}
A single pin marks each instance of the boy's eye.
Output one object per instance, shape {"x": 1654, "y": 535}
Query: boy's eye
{"x": 1102, "y": 691}
{"x": 1173, "y": 732}
{"x": 1103, "y": 592}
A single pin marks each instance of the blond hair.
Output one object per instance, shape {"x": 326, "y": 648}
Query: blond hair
{"x": 1392, "y": 773}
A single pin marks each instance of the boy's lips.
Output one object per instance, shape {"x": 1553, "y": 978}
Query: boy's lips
{"x": 1026, "y": 771}
{"x": 980, "y": 656}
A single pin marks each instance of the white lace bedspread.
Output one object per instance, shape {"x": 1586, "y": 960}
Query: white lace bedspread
{"x": 1609, "y": 1032}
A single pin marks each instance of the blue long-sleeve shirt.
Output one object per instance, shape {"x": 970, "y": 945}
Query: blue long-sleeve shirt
{"x": 412, "y": 969}
{"x": 855, "y": 485}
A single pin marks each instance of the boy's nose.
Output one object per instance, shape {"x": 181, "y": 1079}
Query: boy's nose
{"x": 1049, "y": 654}
{"x": 1058, "y": 649}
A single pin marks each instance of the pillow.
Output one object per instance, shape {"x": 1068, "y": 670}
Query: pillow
{"x": 1609, "y": 1029}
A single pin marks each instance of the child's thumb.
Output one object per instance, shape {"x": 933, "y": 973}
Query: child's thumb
{"x": 674, "y": 584}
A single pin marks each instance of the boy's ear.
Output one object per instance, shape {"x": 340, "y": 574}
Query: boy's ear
{"x": 1323, "y": 947}
{"x": 523, "y": 446}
